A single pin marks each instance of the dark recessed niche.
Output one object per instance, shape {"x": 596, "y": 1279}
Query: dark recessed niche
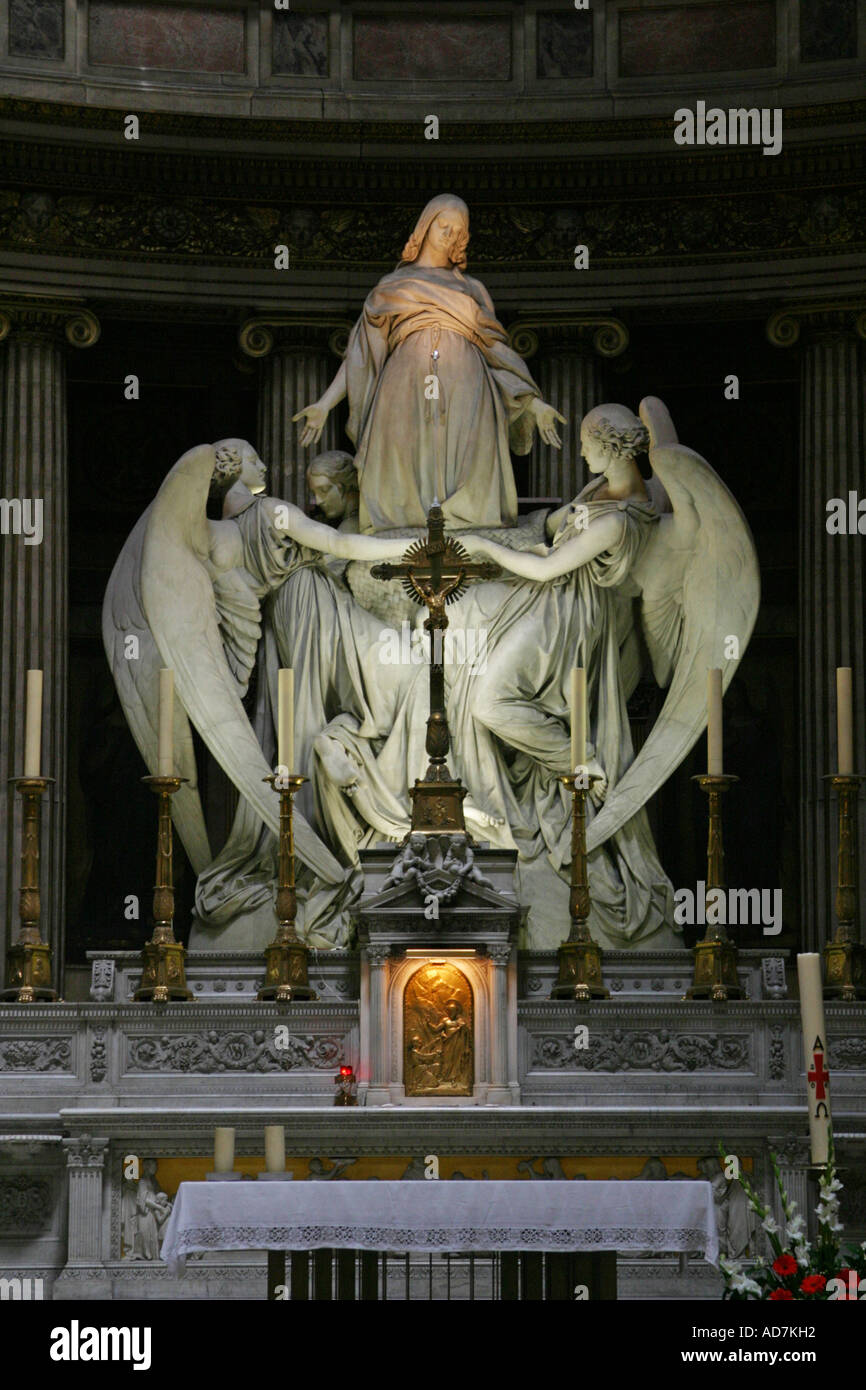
{"x": 300, "y": 45}
{"x": 828, "y": 30}
{"x": 564, "y": 44}
{"x": 36, "y": 29}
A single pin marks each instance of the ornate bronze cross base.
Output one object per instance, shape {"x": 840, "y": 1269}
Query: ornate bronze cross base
{"x": 434, "y": 572}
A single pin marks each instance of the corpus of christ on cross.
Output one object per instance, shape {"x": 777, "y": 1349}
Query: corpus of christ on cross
{"x": 435, "y": 572}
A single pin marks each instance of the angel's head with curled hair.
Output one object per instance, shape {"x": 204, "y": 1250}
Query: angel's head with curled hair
{"x": 609, "y": 434}
{"x": 236, "y": 462}
{"x": 442, "y": 232}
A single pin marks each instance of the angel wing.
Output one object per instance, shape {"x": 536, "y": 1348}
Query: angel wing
{"x": 700, "y": 585}
{"x": 178, "y": 596}
{"x": 136, "y": 676}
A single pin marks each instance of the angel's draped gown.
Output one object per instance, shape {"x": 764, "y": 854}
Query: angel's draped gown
{"x": 311, "y": 624}
{"x": 411, "y": 449}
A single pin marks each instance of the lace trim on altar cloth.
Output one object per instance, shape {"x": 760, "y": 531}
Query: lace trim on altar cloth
{"x": 657, "y": 1239}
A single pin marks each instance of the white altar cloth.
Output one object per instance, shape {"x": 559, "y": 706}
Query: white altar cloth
{"x": 404, "y": 1217}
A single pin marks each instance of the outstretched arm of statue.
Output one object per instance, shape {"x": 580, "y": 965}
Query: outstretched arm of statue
{"x": 315, "y": 415}
{"x": 291, "y": 521}
{"x": 602, "y": 534}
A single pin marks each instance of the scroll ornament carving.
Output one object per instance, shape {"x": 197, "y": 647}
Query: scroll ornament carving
{"x": 36, "y": 1054}
{"x": 25, "y": 1204}
{"x": 205, "y": 1053}
{"x": 646, "y": 1051}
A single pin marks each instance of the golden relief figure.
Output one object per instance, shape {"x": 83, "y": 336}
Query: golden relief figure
{"x": 438, "y": 1032}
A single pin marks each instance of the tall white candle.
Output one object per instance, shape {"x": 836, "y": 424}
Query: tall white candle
{"x": 275, "y": 1148}
{"x": 223, "y": 1149}
{"x": 286, "y": 719}
{"x": 844, "y": 722}
{"x": 165, "y": 754}
{"x": 715, "y": 755}
{"x": 815, "y": 1052}
{"x": 33, "y": 725}
{"x": 578, "y": 717}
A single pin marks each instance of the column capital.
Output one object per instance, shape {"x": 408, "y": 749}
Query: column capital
{"x": 500, "y": 953}
{"x": 49, "y": 318}
{"x": 261, "y": 333}
{"x": 378, "y": 952}
{"x": 85, "y": 1151}
{"x": 840, "y": 319}
{"x": 792, "y": 1150}
{"x": 603, "y": 334}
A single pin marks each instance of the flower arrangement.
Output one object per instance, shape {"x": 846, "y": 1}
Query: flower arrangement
{"x": 800, "y": 1270}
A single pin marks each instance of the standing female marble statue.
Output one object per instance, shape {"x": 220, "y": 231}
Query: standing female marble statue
{"x": 436, "y": 395}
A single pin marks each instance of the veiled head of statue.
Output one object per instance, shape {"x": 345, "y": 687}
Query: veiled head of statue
{"x": 332, "y": 480}
{"x": 442, "y": 232}
{"x": 610, "y": 432}
{"x": 237, "y": 462}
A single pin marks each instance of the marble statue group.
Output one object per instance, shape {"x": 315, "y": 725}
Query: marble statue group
{"x": 633, "y": 577}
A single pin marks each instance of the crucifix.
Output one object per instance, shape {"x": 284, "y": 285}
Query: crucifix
{"x": 434, "y": 572}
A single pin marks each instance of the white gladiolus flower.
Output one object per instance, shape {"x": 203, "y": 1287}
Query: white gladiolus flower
{"x": 741, "y": 1283}
{"x": 803, "y": 1255}
{"x": 770, "y": 1226}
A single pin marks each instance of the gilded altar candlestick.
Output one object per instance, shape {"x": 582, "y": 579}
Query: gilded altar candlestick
{"x": 579, "y": 974}
{"x": 163, "y": 976}
{"x": 715, "y": 974}
{"x": 28, "y": 960}
{"x": 286, "y": 972}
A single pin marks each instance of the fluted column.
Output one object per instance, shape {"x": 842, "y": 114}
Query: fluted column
{"x": 298, "y": 359}
{"x": 498, "y": 1092}
{"x": 34, "y": 586}
{"x": 85, "y": 1164}
{"x": 565, "y": 357}
{"x": 832, "y": 612}
{"x": 379, "y": 1032}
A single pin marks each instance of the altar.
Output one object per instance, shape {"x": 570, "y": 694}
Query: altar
{"x": 387, "y": 1217}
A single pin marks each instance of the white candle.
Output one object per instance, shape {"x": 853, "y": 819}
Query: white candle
{"x": 165, "y": 755}
{"x": 578, "y": 717}
{"x": 275, "y": 1148}
{"x": 286, "y": 719}
{"x": 715, "y": 758}
{"x": 33, "y": 725}
{"x": 815, "y": 1051}
{"x": 223, "y": 1149}
{"x": 844, "y": 722}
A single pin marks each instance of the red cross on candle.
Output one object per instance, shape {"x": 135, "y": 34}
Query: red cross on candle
{"x": 819, "y": 1077}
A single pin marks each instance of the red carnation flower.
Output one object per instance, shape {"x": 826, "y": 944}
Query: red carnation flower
{"x": 778, "y": 1294}
{"x": 784, "y": 1266}
{"x": 813, "y": 1283}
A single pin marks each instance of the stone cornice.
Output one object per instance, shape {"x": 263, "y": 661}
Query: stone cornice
{"x": 92, "y": 117}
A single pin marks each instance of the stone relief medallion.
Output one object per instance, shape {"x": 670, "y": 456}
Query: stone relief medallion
{"x": 438, "y": 1032}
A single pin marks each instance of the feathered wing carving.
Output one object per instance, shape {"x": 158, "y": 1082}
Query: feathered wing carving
{"x": 179, "y": 602}
{"x": 137, "y": 684}
{"x": 700, "y": 585}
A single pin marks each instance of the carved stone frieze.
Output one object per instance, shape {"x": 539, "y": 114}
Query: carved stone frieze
{"x": 777, "y": 1052}
{"x": 848, "y": 1054}
{"x": 36, "y": 1054}
{"x": 643, "y": 1051}
{"x": 236, "y": 1051}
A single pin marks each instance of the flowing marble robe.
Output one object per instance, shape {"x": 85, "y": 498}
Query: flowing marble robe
{"x": 411, "y": 449}
{"x": 311, "y": 624}
{"x": 509, "y": 732}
